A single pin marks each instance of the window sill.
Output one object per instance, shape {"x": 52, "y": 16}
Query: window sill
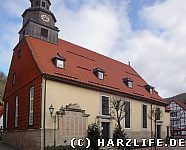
{"x": 104, "y": 116}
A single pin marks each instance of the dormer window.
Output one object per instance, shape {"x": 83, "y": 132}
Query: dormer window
{"x": 59, "y": 61}
{"x": 99, "y": 73}
{"x": 128, "y": 82}
{"x": 149, "y": 88}
{"x": 151, "y": 91}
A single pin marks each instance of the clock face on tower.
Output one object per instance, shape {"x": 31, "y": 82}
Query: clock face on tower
{"x": 45, "y": 18}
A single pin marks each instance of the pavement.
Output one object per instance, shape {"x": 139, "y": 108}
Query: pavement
{"x": 4, "y": 146}
{"x": 163, "y": 148}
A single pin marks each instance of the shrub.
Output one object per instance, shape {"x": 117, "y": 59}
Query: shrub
{"x": 94, "y": 135}
{"x": 119, "y": 134}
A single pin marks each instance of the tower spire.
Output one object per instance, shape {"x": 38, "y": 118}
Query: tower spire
{"x": 39, "y": 22}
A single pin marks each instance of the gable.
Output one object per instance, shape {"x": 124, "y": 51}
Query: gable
{"x": 23, "y": 67}
{"x": 176, "y": 104}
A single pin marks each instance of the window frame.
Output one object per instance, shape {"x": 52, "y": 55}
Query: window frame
{"x": 143, "y": 116}
{"x": 44, "y": 32}
{"x": 43, "y": 4}
{"x": 158, "y": 117}
{"x": 130, "y": 116}
{"x": 151, "y": 90}
{"x": 60, "y": 60}
{"x": 14, "y": 79}
{"x": 100, "y": 75}
{"x": 19, "y": 53}
{"x": 31, "y": 107}
{"x": 6, "y": 115}
{"x": 102, "y": 105}
{"x": 37, "y": 3}
{"x": 16, "y": 115}
{"x": 130, "y": 84}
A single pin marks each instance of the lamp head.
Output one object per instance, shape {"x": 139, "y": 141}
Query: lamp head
{"x": 51, "y": 110}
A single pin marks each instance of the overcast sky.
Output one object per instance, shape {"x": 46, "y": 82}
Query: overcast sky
{"x": 151, "y": 34}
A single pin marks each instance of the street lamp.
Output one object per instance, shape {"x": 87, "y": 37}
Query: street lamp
{"x": 157, "y": 117}
{"x": 51, "y": 110}
{"x": 55, "y": 116}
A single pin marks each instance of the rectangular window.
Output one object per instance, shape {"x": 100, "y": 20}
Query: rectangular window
{"x": 144, "y": 116}
{"x": 173, "y": 114}
{"x": 19, "y": 53}
{"x": 31, "y": 106}
{"x": 130, "y": 84}
{"x": 44, "y": 32}
{"x": 43, "y": 4}
{"x": 151, "y": 90}
{"x": 37, "y": 3}
{"x": 14, "y": 79}
{"x": 16, "y": 111}
{"x": 101, "y": 75}
{"x": 127, "y": 115}
{"x": 105, "y": 105}
{"x": 158, "y": 113}
{"x": 6, "y": 116}
{"x": 60, "y": 63}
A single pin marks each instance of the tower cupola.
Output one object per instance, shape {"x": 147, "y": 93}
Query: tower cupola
{"x": 39, "y": 22}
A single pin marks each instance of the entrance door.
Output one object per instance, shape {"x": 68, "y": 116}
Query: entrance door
{"x": 158, "y": 131}
{"x": 105, "y": 130}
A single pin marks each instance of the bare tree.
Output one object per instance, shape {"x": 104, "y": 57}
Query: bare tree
{"x": 2, "y": 86}
{"x": 155, "y": 114}
{"x": 118, "y": 110}
{"x": 118, "y": 113}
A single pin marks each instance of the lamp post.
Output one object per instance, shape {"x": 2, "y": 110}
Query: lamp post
{"x": 157, "y": 117}
{"x": 55, "y": 116}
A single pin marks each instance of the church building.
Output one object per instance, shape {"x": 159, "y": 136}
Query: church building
{"x": 55, "y": 89}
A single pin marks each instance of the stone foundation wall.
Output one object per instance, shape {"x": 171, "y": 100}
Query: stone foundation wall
{"x": 24, "y": 140}
{"x": 33, "y": 139}
{"x": 143, "y": 135}
{"x": 60, "y": 138}
{"x": 138, "y": 135}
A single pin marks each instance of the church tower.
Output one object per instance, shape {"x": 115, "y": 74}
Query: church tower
{"x": 39, "y": 22}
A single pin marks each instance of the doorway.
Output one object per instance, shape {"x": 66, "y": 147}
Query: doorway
{"x": 158, "y": 131}
{"x": 105, "y": 130}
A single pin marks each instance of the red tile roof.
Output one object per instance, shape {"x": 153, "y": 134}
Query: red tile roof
{"x": 179, "y": 103}
{"x": 79, "y": 66}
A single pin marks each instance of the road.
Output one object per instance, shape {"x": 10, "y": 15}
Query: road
{"x": 163, "y": 148}
{"x": 4, "y": 146}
